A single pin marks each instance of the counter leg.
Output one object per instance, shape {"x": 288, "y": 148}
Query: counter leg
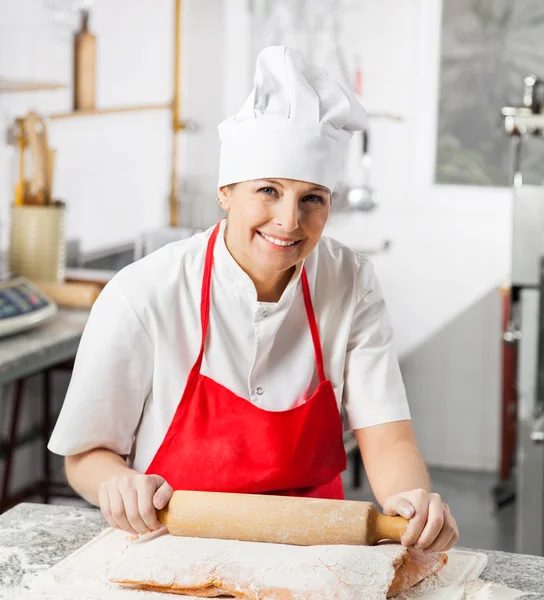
{"x": 11, "y": 443}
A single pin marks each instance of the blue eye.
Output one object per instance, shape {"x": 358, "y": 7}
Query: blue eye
{"x": 268, "y": 190}
{"x": 314, "y": 198}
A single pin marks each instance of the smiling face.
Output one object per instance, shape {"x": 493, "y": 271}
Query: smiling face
{"x": 273, "y": 224}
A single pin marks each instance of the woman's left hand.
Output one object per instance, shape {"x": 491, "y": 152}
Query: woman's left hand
{"x": 432, "y": 526}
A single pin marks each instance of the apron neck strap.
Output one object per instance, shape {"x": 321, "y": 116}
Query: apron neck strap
{"x": 312, "y": 322}
{"x": 205, "y": 308}
{"x": 205, "y": 295}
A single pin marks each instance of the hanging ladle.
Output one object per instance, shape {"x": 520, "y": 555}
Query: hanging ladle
{"x": 364, "y": 197}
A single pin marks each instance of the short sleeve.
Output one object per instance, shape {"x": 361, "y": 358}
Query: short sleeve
{"x": 110, "y": 382}
{"x": 374, "y": 392}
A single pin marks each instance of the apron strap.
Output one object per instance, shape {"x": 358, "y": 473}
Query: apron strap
{"x": 312, "y": 322}
{"x": 205, "y": 296}
{"x": 205, "y": 309}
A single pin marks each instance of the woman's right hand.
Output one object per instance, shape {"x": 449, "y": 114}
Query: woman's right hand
{"x": 130, "y": 502}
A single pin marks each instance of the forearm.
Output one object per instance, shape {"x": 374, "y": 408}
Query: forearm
{"x": 87, "y": 471}
{"x": 393, "y": 462}
{"x": 401, "y": 469}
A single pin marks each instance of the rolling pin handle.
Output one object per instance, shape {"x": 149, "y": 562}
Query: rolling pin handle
{"x": 389, "y": 528}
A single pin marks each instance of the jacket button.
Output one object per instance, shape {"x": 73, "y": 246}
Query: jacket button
{"x": 259, "y": 391}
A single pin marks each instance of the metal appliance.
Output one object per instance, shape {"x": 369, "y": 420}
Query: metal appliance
{"x": 526, "y": 329}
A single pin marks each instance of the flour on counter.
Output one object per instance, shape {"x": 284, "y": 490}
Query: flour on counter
{"x": 84, "y": 574}
{"x": 484, "y": 590}
{"x": 459, "y": 580}
{"x": 16, "y": 571}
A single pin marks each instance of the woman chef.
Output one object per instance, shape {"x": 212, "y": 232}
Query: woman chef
{"x": 221, "y": 362}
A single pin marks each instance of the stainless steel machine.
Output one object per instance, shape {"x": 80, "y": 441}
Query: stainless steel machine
{"x": 526, "y": 328}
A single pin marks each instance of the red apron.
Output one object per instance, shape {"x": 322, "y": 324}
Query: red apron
{"x": 220, "y": 442}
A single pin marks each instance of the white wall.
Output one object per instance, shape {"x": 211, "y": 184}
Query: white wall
{"x": 113, "y": 171}
{"x": 450, "y": 245}
{"x": 202, "y": 101}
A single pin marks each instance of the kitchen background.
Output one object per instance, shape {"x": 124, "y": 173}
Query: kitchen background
{"x": 442, "y": 251}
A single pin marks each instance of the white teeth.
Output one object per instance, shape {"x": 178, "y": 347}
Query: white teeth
{"x": 277, "y": 242}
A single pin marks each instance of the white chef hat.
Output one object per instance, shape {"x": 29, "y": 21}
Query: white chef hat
{"x": 295, "y": 124}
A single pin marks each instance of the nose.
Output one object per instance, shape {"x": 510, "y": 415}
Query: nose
{"x": 287, "y": 213}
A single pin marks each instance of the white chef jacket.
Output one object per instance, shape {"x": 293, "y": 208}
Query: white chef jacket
{"x": 143, "y": 336}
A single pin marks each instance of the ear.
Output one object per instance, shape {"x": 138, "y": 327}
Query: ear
{"x": 223, "y": 197}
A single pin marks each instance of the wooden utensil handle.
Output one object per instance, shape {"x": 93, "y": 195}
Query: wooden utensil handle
{"x": 278, "y": 519}
{"x": 389, "y": 528}
{"x": 73, "y": 295}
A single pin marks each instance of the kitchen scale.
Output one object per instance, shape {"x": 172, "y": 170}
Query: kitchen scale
{"x": 23, "y": 306}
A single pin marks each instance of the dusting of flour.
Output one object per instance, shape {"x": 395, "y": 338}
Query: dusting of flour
{"x": 485, "y": 590}
{"x": 457, "y": 581}
{"x": 319, "y": 572}
{"x": 84, "y": 574}
{"x": 256, "y": 570}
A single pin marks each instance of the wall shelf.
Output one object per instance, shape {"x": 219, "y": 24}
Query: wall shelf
{"x": 177, "y": 123}
{"x": 373, "y": 114}
{"x": 109, "y": 111}
{"x": 13, "y": 86}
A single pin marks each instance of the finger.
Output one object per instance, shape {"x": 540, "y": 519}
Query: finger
{"x": 453, "y": 541}
{"x": 441, "y": 543}
{"x": 455, "y": 537}
{"x": 450, "y": 543}
{"x": 130, "y": 499}
{"x": 145, "y": 505}
{"x": 104, "y": 503}
{"x": 420, "y": 502}
{"x": 434, "y": 525}
{"x": 398, "y": 505}
{"x": 117, "y": 507}
{"x": 162, "y": 495}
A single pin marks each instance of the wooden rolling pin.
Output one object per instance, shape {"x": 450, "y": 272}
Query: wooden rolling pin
{"x": 279, "y": 519}
{"x": 72, "y": 295}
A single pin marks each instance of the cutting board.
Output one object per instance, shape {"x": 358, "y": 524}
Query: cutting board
{"x": 463, "y": 566}
{"x": 81, "y": 576}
